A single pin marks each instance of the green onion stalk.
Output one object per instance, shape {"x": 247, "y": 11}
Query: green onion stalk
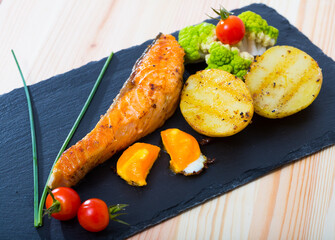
{"x": 38, "y": 210}
{"x": 33, "y": 140}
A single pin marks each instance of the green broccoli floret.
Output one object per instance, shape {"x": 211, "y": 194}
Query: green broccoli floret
{"x": 228, "y": 59}
{"x": 258, "y": 34}
{"x": 196, "y": 41}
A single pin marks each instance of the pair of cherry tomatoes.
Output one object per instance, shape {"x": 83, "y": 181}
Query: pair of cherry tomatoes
{"x": 93, "y": 215}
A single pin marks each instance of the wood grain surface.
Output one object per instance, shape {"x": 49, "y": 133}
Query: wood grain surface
{"x": 52, "y": 37}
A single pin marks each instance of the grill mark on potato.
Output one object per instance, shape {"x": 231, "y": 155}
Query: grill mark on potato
{"x": 291, "y": 89}
{"x": 218, "y": 103}
{"x": 286, "y": 77}
{"x": 294, "y": 88}
{"x": 198, "y": 107}
{"x": 312, "y": 72}
{"x": 274, "y": 72}
{"x": 220, "y": 111}
{"x": 232, "y": 89}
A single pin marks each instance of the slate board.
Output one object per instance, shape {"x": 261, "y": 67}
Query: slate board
{"x": 262, "y": 147}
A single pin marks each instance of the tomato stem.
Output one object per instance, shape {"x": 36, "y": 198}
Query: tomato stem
{"x": 55, "y": 207}
{"x": 113, "y": 212}
{"x": 222, "y": 12}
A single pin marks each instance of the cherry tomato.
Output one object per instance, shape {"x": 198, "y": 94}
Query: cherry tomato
{"x": 230, "y": 31}
{"x": 66, "y": 205}
{"x": 93, "y": 215}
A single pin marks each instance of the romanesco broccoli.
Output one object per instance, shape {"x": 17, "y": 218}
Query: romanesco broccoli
{"x": 229, "y": 59}
{"x": 258, "y": 34}
{"x": 196, "y": 41}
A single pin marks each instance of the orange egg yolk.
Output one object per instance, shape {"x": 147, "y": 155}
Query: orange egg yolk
{"x": 135, "y": 163}
{"x": 182, "y": 147}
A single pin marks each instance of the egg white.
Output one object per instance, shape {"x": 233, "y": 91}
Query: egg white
{"x": 195, "y": 166}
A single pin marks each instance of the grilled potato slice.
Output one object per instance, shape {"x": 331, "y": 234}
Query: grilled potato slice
{"x": 283, "y": 81}
{"x": 216, "y": 103}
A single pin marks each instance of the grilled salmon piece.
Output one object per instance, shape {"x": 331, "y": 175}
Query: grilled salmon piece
{"x": 147, "y": 99}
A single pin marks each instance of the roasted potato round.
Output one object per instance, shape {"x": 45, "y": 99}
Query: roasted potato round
{"x": 283, "y": 81}
{"x": 216, "y": 103}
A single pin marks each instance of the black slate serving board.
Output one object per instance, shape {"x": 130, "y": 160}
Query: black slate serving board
{"x": 262, "y": 147}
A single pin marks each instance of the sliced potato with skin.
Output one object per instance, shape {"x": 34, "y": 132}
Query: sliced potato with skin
{"x": 283, "y": 81}
{"x": 216, "y": 103}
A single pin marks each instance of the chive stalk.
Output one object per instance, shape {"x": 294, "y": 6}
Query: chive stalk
{"x": 38, "y": 209}
{"x": 33, "y": 141}
{"x": 39, "y": 222}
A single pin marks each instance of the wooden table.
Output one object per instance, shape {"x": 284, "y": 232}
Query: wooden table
{"x": 52, "y": 37}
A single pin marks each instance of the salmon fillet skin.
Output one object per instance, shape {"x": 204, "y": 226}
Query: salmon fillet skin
{"x": 147, "y": 99}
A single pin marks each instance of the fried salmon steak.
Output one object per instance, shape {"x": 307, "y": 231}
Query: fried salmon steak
{"x": 147, "y": 99}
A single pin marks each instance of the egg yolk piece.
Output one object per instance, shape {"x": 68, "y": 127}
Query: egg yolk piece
{"x": 183, "y": 149}
{"x": 135, "y": 163}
